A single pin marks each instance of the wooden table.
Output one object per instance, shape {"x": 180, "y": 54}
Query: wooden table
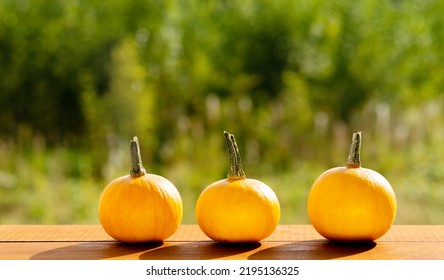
{"x": 288, "y": 242}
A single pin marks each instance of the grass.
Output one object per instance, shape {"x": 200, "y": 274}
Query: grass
{"x": 55, "y": 186}
{"x": 42, "y": 185}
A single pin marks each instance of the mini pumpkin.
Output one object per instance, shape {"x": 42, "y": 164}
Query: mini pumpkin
{"x": 352, "y": 203}
{"x": 237, "y": 209}
{"x": 140, "y": 207}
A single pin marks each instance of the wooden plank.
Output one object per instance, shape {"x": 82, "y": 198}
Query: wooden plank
{"x": 50, "y": 233}
{"x": 72, "y": 233}
{"x": 23, "y": 233}
{"x": 193, "y": 233}
{"x": 208, "y": 250}
{"x": 87, "y": 242}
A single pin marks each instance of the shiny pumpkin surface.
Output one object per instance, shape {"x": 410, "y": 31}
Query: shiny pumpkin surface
{"x": 351, "y": 204}
{"x": 140, "y": 209}
{"x": 238, "y": 210}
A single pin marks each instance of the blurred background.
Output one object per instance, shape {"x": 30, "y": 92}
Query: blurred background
{"x": 292, "y": 80}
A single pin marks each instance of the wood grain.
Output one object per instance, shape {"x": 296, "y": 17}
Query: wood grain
{"x": 288, "y": 242}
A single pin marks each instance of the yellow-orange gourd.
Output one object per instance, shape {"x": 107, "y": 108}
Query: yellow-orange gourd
{"x": 352, "y": 203}
{"x": 140, "y": 207}
{"x": 237, "y": 209}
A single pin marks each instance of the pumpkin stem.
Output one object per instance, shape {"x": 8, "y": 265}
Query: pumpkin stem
{"x": 236, "y": 171}
{"x": 137, "y": 169}
{"x": 354, "y": 159}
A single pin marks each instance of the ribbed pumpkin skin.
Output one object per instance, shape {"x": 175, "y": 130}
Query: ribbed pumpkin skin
{"x": 236, "y": 211}
{"x": 351, "y": 204}
{"x": 142, "y": 209}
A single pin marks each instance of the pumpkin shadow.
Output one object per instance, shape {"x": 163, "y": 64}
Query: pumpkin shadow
{"x": 312, "y": 250}
{"x": 198, "y": 251}
{"x": 95, "y": 251}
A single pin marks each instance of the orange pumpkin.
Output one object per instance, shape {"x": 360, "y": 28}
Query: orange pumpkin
{"x": 140, "y": 207}
{"x": 237, "y": 209}
{"x": 352, "y": 203}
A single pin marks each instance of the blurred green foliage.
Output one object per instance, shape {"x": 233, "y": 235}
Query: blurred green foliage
{"x": 291, "y": 79}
